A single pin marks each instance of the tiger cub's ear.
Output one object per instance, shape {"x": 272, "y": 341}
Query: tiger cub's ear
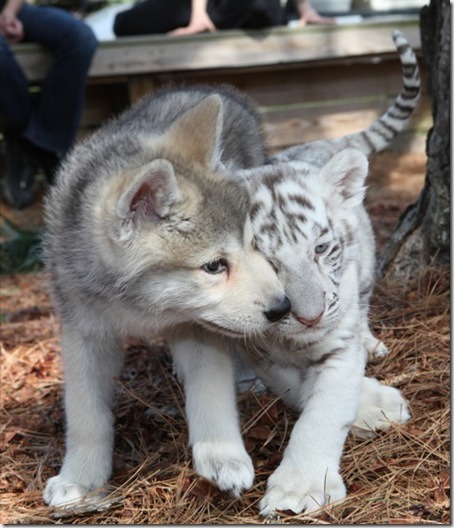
{"x": 345, "y": 174}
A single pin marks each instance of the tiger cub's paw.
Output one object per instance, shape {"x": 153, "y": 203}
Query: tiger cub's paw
{"x": 375, "y": 348}
{"x": 301, "y": 490}
{"x": 379, "y": 407}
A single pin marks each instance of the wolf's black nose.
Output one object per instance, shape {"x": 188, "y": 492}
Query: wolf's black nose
{"x": 281, "y": 308}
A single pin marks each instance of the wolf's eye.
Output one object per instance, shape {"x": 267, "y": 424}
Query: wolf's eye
{"x": 216, "y": 266}
{"x": 321, "y": 248}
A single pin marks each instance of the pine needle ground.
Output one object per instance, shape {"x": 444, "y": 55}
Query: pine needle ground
{"x": 398, "y": 477}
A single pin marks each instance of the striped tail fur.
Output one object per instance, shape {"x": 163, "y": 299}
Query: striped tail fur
{"x": 381, "y": 132}
{"x": 385, "y": 129}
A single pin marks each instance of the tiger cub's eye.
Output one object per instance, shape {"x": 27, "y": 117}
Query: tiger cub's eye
{"x": 321, "y": 248}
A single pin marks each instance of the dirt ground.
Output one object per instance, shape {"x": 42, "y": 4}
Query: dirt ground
{"x": 399, "y": 477}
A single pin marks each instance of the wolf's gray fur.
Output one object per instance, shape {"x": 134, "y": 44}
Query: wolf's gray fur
{"x": 146, "y": 232}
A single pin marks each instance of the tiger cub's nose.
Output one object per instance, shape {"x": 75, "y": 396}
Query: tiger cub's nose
{"x": 281, "y": 308}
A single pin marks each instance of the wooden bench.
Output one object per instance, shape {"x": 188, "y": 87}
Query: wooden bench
{"x": 313, "y": 82}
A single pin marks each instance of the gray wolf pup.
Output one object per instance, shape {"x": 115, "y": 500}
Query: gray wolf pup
{"x": 148, "y": 233}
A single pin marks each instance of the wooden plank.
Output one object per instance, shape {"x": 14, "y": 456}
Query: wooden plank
{"x": 308, "y": 83}
{"x": 232, "y": 49}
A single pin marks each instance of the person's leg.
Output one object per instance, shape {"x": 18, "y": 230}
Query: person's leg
{"x": 265, "y": 14}
{"x": 55, "y": 118}
{"x": 15, "y": 102}
{"x": 15, "y": 108}
{"x": 229, "y": 14}
{"x": 18, "y": 178}
{"x": 152, "y": 17}
{"x": 246, "y": 14}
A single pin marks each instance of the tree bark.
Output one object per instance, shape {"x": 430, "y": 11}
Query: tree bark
{"x": 422, "y": 235}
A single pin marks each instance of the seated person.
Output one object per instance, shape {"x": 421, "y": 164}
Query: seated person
{"x": 186, "y": 17}
{"x": 39, "y": 128}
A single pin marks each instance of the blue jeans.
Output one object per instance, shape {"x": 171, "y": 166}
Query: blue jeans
{"x": 49, "y": 119}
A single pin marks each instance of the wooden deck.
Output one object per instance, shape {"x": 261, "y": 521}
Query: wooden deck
{"x": 310, "y": 83}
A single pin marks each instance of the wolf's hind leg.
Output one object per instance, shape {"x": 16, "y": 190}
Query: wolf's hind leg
{"x": 91, "y": 361}
{"x": 205, "y": 368}
{"x": 379, "y": 406}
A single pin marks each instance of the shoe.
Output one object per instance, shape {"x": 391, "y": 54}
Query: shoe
{"x": 48, "y": 160}
{"x": 20, "y": 172}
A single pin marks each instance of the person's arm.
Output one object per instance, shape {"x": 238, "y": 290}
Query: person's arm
{"x": 199, "y": 22}
{"x": 10, "y": 26}
{"x": 308, "y": 15}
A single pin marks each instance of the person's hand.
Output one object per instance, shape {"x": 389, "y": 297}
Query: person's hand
{"x": 199, "y": 23}
{"x": 308, "y": 15}
{"x": 11, "y": 27}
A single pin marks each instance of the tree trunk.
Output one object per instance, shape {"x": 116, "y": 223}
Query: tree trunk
{"x": 422, "y": 235}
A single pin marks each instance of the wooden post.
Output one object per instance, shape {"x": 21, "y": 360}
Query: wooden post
{"x": 139, "y": 86}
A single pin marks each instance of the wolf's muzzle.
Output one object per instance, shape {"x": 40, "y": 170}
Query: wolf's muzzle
{"x": 281, "y": 308}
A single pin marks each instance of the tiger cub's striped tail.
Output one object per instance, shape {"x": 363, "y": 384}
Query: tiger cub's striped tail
{"x": 385, "y": 129}
{"x": 381, "y": 132}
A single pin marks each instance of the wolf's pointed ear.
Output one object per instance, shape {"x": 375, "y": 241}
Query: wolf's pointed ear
{"x": 345, "y": 174}
{"x": 151, "y": 194}
{"x": 197, "y": 133}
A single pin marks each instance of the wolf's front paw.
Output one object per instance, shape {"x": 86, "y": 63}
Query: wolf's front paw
{"x": 68, "y": 495}
{"x": 380, "y": 406}
{"x": 60, "y": 493}
{"x": 298, "y": 491}
{"x": 226, "y": 464}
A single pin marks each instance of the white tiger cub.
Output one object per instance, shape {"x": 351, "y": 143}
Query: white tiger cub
{"x": 369, "y": 141}
{"x": 309, "y": 221}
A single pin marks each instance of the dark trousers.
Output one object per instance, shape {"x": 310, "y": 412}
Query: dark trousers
{"x": 160, "y": 16}
{"x": 49, "y": 119}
